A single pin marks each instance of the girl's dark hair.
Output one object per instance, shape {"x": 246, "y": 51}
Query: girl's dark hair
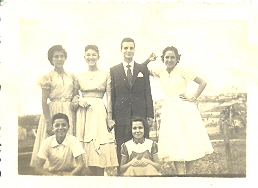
{"x": 171, "y": 48}
{"x": 53, "y": 49}
{"x": 145, "y": 126}
{"x": 60, "y": 116}
{"x": 93, "y": 47}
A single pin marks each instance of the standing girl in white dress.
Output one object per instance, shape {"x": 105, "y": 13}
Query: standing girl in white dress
{"x": 94, "y": 120}
{"x": 182, "y": 135}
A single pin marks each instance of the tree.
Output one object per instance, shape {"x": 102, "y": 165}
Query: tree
{"x": 28, "y": 121}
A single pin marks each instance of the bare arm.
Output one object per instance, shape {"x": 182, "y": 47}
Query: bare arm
{"x": 79, "y": 167}
{"x": 112, "y": 92}
{"x": 39, "y": 168}
{"x": 110, "y": 122}
{"x": 109, "y": 102}
{"x": 155, "y": 163}
{"x": 45, "y": 108}
{"x": 202, "y": 84}
{"x": 124, "y": 164}
{"x": 75, "y": 99}
{"x": 152, "y": 57}
{"x": 76, "y": 88}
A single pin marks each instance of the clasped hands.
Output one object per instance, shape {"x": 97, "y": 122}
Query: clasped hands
{"x": 83, "y": 102}
{"x": 143, "y": 162}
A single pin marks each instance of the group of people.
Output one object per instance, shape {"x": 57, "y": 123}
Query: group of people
{"x": 75, "y": 131}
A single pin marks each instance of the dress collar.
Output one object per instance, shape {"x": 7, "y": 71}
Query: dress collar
{"x": 59, "y": 73}
{"x": 139, "y": 142}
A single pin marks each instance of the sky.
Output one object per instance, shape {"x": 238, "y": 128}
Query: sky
{"x": 214, "y": 42}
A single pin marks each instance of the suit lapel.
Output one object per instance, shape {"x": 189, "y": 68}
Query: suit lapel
{"x": 121, "y": 72}
{"x": 136, "y": 70}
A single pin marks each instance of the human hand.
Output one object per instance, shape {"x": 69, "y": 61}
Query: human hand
{"x": 186, "y": 98}
{"x": 75, "y": 103}
{"x": 134, "y": 162}
{"x": 144, "y": 162}
{"x": 84, "y": 104}
{"x": 110, "y": 125}
{"x": 152, "y": 57}
{"x": 150, "y": 121}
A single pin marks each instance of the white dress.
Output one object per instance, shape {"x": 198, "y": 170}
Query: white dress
{"x": 182, "y": 135}
{"x": 91, "y": 122}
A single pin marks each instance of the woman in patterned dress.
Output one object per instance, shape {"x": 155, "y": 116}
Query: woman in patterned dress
{"x": 94, "y": 120}
{"x": 58, "y": 87}
{"x": 182, "y": 135}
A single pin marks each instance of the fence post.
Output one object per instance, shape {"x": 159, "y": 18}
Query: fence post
{"x": 225, "y": 127}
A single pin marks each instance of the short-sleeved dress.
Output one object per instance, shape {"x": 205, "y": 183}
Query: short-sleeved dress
{"x": 91, "y": 122}
{"x": 61, "y": 88}
{"x": 141, "y": 150}
{"x": 182, "y": 134}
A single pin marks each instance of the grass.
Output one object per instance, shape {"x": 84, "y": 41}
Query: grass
{"x": 214, "y": 164}
{"x": 240, "y": 134}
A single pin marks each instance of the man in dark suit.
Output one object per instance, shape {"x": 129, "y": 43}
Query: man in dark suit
{"x": 130, "y": 93}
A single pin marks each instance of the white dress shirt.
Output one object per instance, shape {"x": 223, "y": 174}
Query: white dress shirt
{"x": 125, "y": 68}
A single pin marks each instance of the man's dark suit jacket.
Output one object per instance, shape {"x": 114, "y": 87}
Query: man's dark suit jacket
{"x": 130, "y": 101}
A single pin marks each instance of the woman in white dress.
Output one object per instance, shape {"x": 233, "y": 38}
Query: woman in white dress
{"x": 94, "y": 120}
{"x": 182, "y": 135}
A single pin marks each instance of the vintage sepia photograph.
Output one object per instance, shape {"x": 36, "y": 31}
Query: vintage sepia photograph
{"x": 153, "y": 89}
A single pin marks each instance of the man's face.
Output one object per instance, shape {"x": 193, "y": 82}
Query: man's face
{"x": 128, "y": 50}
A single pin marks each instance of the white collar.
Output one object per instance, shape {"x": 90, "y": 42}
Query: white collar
{"x": 131, "y": 64}
{"x": 54, "y": 142}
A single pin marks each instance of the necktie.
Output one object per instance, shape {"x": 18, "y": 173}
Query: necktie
{"x": 129, "y": 74}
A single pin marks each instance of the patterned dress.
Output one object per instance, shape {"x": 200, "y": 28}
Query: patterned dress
{"x": 141, "y": 150}
{"x": 61, "y": 88}
{"x": 182, "y": 134}
{"x": 91, "y": 124}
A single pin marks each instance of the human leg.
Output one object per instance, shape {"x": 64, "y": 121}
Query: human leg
{"x": 180, "y": 167}
{"x": 99, "y": 171}
{"x": 93, "y": 170}
{"x": 120, "y": 135}
{"x": 189, "y": 167}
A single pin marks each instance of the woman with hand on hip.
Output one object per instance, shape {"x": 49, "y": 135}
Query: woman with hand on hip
{"x": 93, "y": 120}
{"x": 182, "y": 135}
{"x": 58, "y": 87}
